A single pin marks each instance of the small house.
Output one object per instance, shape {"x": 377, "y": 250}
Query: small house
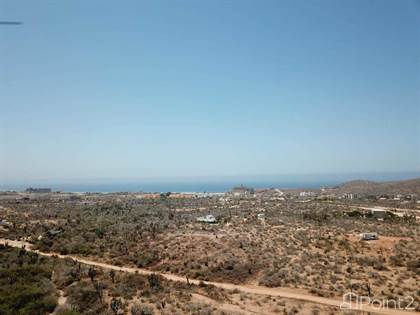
{"x": 242, "y": 191}
{"x": 378, "y": 213}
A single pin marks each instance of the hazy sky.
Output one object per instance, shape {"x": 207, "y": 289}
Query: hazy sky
{"x": 183, "y": 88}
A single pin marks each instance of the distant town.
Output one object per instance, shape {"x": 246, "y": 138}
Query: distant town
{"x": 393, "y": 194}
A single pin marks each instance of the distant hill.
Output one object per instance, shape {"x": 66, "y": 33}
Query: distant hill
{"x": 364, "y": 187}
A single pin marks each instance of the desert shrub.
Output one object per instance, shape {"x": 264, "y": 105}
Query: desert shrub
{"x": 147, "y": 259}
{"x": 79, "y": 248}
{"x": 275, "y": 278}
{"x": 414, "y": 265}
{"x": 380, "y": 265}
{"x": 396, "y": 260}
{"x": 128, "y": 285}
{"x": 85, "y": 298}
{"x": 64, "y": 275}
{"x": 25, "y": 286}
{"x": 141, "y": 309}
{"x": 69, "y": 312}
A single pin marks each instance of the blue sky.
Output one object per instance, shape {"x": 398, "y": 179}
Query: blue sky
{"x": 119, "y": 89}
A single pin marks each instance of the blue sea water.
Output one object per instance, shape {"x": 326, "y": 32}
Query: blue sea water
{"x": 164, "y": 186}
{"x": 205, "y": 184}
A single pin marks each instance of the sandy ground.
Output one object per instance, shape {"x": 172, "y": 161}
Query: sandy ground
{"x": 61, "y": 301}
{"x": 384, "y": 245}
{"x": 252, "y": 289}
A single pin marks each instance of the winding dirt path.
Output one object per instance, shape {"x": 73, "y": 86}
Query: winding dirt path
{"x": 253, "y": 289}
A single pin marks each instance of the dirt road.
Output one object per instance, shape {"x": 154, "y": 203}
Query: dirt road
{"x": 253, "y": 289}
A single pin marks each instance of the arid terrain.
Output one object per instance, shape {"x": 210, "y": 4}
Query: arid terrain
{"x": 201, "y": 157}
{"x": 268, "y": 252}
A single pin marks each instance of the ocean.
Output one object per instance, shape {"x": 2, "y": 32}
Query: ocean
{"x": 164, "y": 186}
{"x": 204, "y": 184}
{"x": 212, "y": 184}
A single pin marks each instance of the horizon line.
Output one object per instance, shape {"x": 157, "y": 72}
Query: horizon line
{"x": 308, "y": 176}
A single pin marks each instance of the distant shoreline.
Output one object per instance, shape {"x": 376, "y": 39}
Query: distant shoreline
{"x": 204, "y": 185}
{"x": 182, "y": 188}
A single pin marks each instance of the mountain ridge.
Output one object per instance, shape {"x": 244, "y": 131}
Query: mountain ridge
{"x": 366, "y": 187}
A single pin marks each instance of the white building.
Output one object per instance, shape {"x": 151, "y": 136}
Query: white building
{"x": 306, "y": 194}
{"x": 349, "y": 196}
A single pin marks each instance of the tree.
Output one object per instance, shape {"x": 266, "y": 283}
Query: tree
{"x": 115, "y": 305}
{"x": 99, "y": 289}
{"x": 92, "y": 273}
{"x": 154, "y": 281}
{"x": 112, "y": 275}
{"x": 368, "y": 288}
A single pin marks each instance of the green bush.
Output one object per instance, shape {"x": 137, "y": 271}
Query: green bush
{"x": 25, "y": 286}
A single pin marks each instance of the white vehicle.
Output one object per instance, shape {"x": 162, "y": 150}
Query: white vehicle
{"x": 207, "y": 219}
{"x": 369, "y": 236}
